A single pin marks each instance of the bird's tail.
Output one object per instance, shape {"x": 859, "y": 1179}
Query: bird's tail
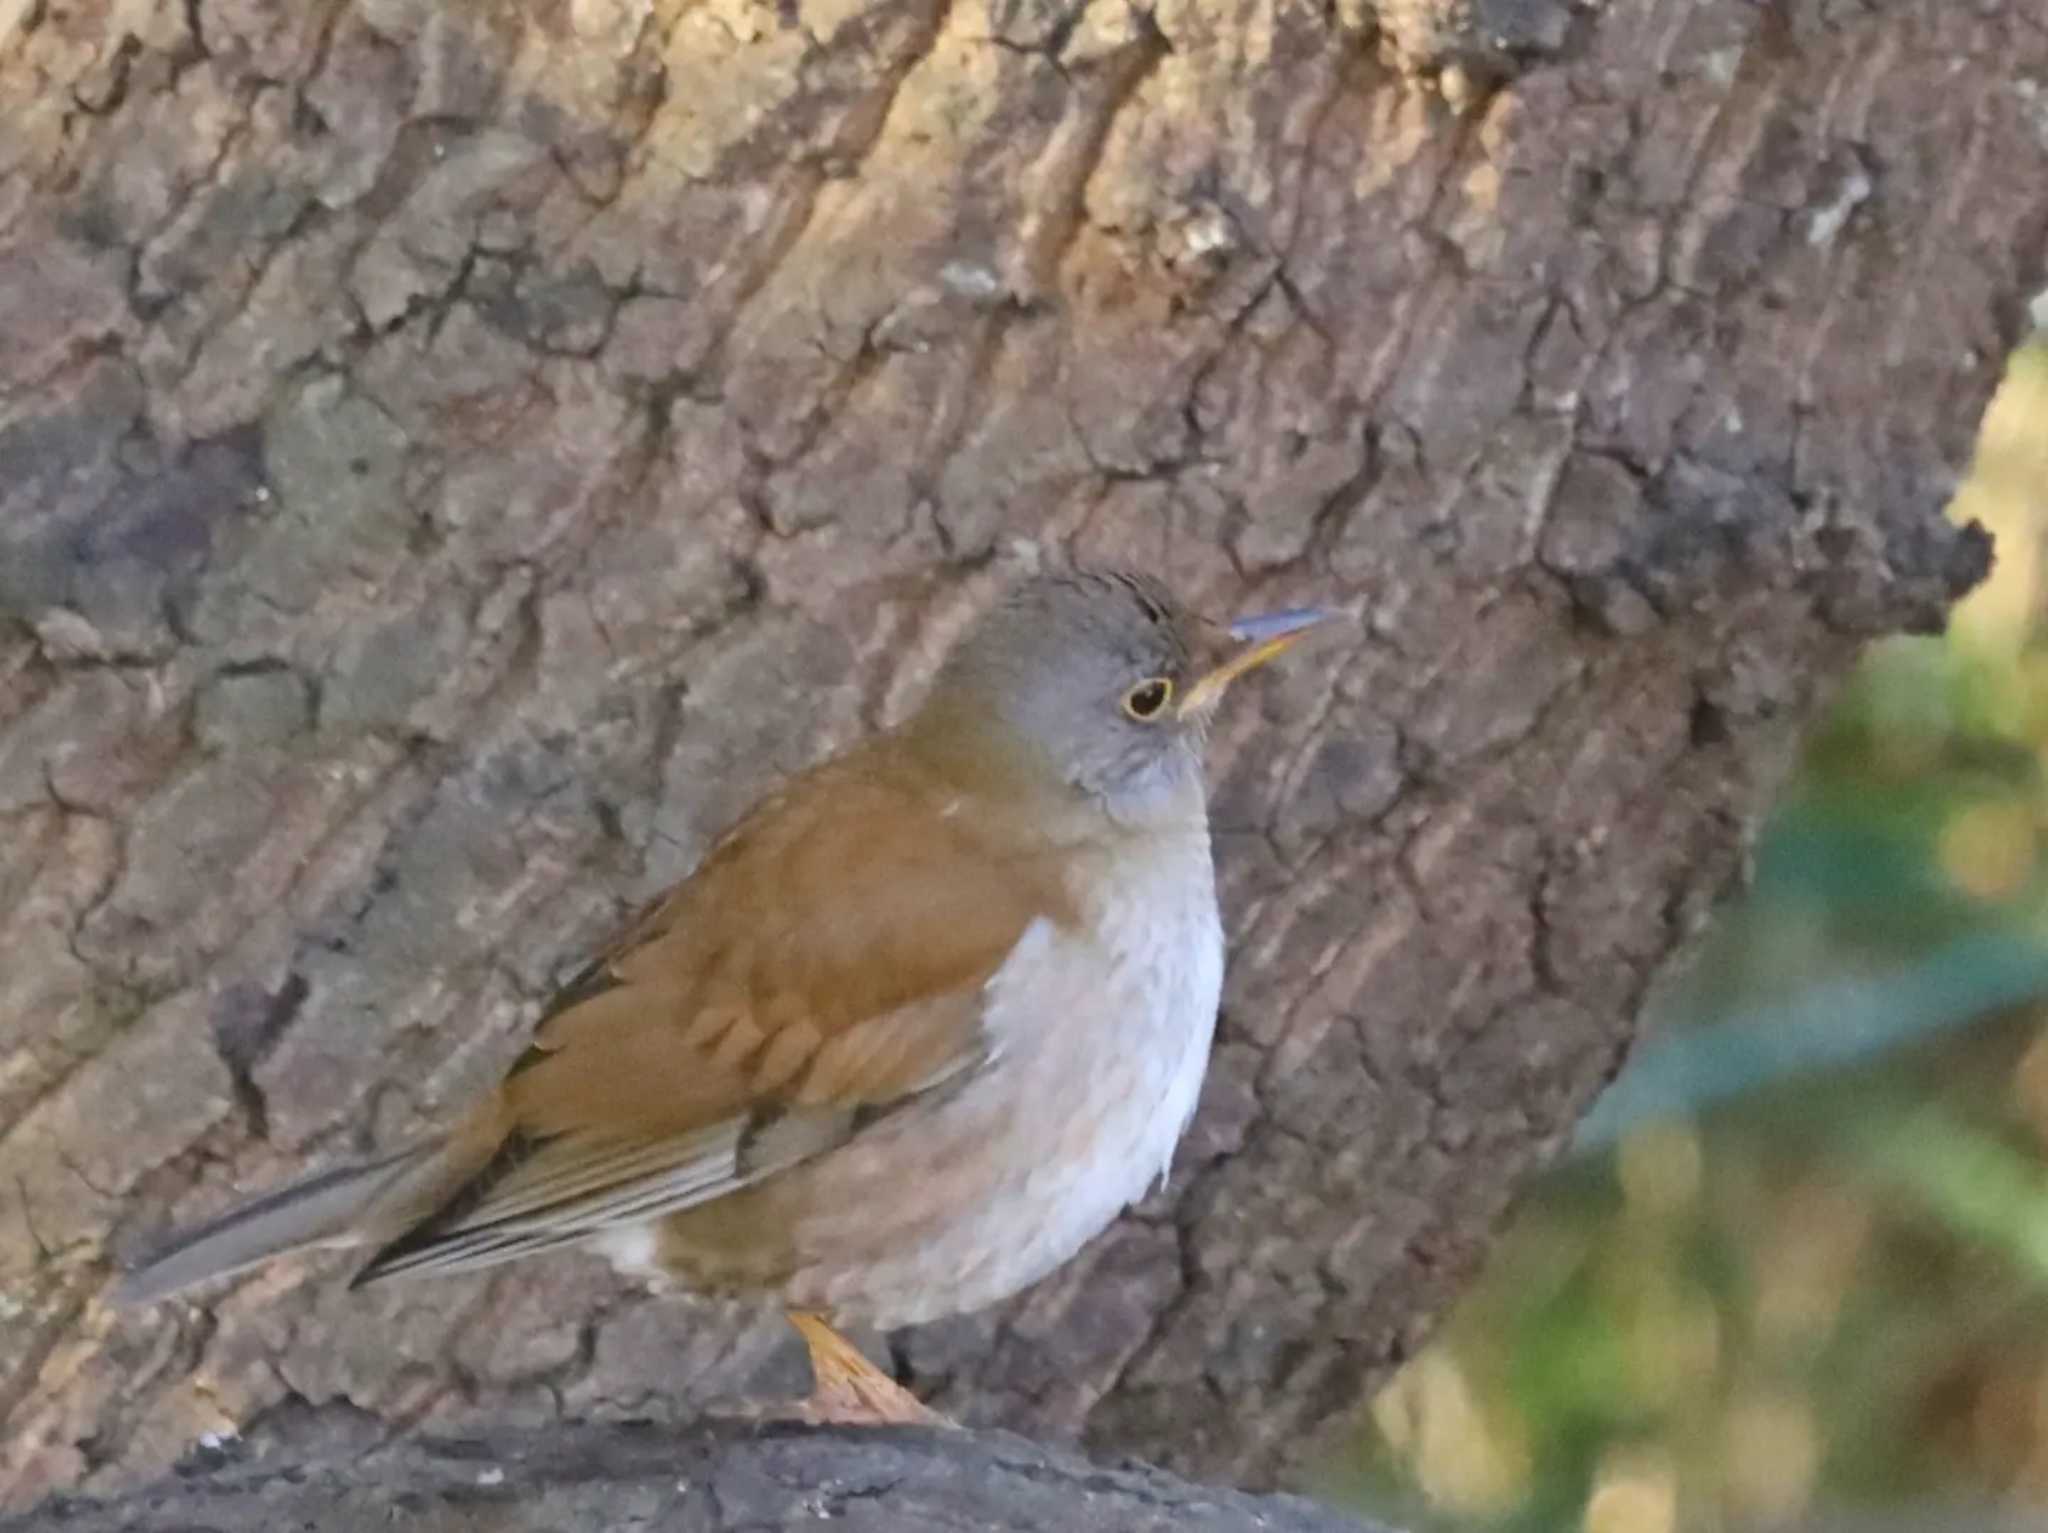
{"x": 334, "y": 1208}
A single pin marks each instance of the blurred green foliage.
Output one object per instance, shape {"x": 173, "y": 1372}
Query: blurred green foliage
{"x": 1800, "y": 1259}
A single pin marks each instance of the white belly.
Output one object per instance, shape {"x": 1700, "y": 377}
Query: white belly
{"x": 1105, "y": 1040}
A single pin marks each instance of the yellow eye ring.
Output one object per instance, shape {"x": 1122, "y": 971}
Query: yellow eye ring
{"x": 1148, "y": 699}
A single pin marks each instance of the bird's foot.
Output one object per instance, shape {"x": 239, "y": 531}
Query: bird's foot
{"x": 848, "y": 1389}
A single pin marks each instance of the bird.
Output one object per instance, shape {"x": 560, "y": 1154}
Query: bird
{"x": 918, "y": 1026}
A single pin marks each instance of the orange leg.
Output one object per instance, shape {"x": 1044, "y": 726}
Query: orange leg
{"x": 850, "y": 1390}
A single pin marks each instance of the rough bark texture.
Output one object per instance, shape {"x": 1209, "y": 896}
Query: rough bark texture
{"x": 327, "y": 1471}
{"x": 452, "y": 456}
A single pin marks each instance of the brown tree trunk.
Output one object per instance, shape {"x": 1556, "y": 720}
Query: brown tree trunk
{"x": 452, "y": 455}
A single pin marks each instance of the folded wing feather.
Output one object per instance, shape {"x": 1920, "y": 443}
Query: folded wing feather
{"x": 817, "y": 972}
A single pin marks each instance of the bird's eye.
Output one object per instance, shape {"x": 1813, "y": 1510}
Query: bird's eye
{"x": 1148, "y": 698}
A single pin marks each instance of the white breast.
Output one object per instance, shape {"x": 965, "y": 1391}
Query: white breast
{"x": 1104, "y": 1034}
{"x": 1131, "y": 1043}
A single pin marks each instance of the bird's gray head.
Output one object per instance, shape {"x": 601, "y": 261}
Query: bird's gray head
{"x": 1102, "y": 683}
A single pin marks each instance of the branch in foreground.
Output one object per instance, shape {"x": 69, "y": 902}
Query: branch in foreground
{"x": 707, "y": 1478}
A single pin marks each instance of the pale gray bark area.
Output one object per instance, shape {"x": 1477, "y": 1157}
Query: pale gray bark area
{"x": 335, "y": 1471}
{"x": 452, "y": 457}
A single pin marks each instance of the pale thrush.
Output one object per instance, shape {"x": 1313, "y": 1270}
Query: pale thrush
{"x": 920, "y": 1025}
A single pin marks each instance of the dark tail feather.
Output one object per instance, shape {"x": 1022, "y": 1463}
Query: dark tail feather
{"x": 326, "y": 1209}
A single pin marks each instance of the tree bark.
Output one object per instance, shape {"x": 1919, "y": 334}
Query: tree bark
{"x": 334, "y": 1471}
{"x": 453, "y": 456}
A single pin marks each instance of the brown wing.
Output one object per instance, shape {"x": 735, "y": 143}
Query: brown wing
{"x": 823, "y": 966}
